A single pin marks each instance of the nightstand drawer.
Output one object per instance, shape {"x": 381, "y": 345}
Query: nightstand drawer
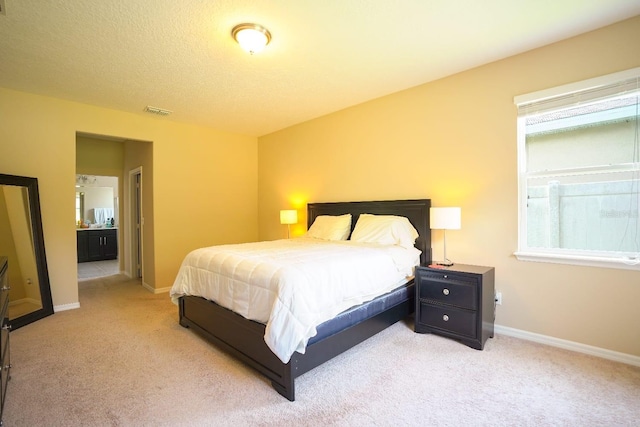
{"x": 449, "y": 289}
{"x": 449, "y": 319}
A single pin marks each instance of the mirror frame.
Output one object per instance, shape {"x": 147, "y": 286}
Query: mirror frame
{"x": 31, "y": 184}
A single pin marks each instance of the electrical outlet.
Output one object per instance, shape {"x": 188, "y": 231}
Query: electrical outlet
{"x": 498, "y": 298}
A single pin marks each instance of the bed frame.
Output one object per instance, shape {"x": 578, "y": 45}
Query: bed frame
{"x": 244, "y": 338}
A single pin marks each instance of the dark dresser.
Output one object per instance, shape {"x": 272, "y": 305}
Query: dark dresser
{"x": 457, "y": 302}
{"x": 5, "y": 362}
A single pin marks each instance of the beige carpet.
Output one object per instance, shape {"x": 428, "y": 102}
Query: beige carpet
{"x": 123, "y": 360}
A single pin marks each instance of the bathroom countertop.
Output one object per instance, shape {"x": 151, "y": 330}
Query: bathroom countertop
{"x": 97, "y": 228}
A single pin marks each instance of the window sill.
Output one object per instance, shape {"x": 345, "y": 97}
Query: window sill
{"x": 590, "y": 261}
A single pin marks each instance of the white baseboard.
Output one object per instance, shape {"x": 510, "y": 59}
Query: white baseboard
{"x": 154, "y": 290}
{"x": 64, "y": 307}
{"x": 569, "y": 345}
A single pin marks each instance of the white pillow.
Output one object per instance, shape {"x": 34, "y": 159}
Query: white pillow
{"x": 327, "y": 227}
{"x": 385, "y": 230}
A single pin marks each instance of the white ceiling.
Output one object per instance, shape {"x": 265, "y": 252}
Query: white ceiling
{"x": 325, "y": 55}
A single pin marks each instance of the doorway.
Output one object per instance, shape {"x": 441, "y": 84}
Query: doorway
{"x": 124, "y": 158}
{"x": 97, "y": 220}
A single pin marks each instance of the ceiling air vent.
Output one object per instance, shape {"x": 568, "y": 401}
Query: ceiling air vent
{"x": 155, "y": 110}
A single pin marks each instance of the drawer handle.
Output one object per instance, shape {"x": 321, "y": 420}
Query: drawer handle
{"x": 7, "y": 327}
{"x": 445, "y": 291}
{"x": 6, "y": 288}
{"x": 445, "y": 318}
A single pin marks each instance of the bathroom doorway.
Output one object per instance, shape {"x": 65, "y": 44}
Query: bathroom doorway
{"x": 97, "y": 221}
{"x": 124, "y": 158}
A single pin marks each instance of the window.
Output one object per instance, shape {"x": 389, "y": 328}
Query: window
{"x": 579, "y": 173}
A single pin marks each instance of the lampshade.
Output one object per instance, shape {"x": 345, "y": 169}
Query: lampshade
{"x": 444, "y": 218}
{"x": 251, "y": 37}
{"x": 289, "y": 216}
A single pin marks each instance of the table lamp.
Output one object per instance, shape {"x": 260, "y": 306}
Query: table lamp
{"x": 445, "y": 219}
{"x": 288, "y": 217}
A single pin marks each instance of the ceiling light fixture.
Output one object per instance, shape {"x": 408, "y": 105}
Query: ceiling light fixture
{"x": 251, "y": 37}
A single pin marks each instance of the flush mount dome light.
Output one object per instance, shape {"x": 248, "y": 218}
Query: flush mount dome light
{"x": 251, "y": 37}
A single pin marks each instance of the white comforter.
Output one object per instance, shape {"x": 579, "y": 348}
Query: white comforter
{"x": 293, "y": 285}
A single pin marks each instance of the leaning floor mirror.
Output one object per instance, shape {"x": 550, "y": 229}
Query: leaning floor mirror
{"x": 22, "y": 242}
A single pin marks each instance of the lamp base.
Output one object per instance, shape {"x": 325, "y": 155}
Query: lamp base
{"x": 446, "y": 262}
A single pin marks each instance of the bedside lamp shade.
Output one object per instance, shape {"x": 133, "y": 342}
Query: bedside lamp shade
{"x": 288, "y": 217}
{"x": 445, "y": 219}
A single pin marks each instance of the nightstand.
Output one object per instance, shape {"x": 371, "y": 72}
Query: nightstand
{"x": 456, "y": 302}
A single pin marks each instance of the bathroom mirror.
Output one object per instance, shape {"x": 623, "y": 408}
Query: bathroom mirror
{"x": 95, "y": 199}
{"x": 22, "y": 242}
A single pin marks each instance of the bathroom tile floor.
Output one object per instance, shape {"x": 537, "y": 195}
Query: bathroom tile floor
{"x": 93, "y": 269}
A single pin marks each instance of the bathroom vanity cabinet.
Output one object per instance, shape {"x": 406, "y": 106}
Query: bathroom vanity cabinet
{"x": 97, "y": 244}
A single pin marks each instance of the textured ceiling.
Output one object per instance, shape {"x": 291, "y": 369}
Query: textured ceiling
{"x": 324, "y": 55}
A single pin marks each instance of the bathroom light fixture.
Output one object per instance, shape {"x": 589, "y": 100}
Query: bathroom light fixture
{"x": 444, "y": 219}
{"x": 86, "y": 179}
{"x": 251, "y": 37}
{"x": 288, "y": 217}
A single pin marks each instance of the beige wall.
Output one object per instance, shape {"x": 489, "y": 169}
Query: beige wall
{"x": 454, "y": 141}
{"x": 99, "y": 157}
{"x": 204, "y": 181}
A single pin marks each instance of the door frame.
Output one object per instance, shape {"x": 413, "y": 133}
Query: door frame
{"x": 135, "y": 230}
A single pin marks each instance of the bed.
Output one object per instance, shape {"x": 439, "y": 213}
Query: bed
{"x": 245, "y": 339}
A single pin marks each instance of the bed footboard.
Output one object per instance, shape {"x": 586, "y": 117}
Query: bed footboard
{"x": 244, "y": 339}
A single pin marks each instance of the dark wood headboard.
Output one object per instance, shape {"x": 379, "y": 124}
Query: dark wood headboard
{"x": 417, "y": 211}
